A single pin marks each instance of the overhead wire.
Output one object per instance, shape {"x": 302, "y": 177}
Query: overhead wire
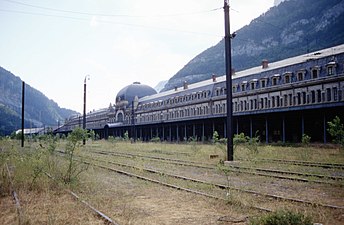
{"x": 110, "y": 15}
{"x": 123, "y": 15}
{"x": 110, "y": 22}
{"x": 107, "y": 15}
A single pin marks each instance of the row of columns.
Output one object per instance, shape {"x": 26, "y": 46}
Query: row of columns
{"x": 271, "y": 128}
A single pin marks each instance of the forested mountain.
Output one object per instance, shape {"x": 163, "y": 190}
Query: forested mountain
{"x": 39, "y": 110}
{"x": 291, "y": 28}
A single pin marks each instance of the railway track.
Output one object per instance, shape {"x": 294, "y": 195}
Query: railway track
{"x": 301, "y": 163}
{"x": 170, "y": 185}
{"x": 15, "y": 196}
{"x": 97, "y": 212}
{"x": 238, "y": 169}
{"x": 221, "y": 186}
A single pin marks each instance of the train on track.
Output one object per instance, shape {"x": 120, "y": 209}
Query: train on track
{"x": 279, "y": 102}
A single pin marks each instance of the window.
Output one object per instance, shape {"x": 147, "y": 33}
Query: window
{"x": 277, "y": 101}
{"x": 243, "y": 86}
{"x": 266, "y": 102}
{"x": 287, "y": 77}
{"x": 285, "y": 100}
{"x": 300, "y": 76}
{"x": 330, "y": 70}
{"x": 328, "y": 96}
{"x": 290, "y": 99}
{"x": 315, "y": 73}
{"x": 234, "y": 88}
{"x": 273, "y": 99}
{"x": 319, "y": 95}
{"x": 274, "y": 81}
{"x": 335, "y": 93}
{"x": 313, "y": 96}
{"x": 199, "y": 96}
{"x": 261, "y": 103}
{"x": 253, "y": 85}
{"x": 263, "y": 83}
{"x": 340, "y": 95}
{"x": 299, "y": 98}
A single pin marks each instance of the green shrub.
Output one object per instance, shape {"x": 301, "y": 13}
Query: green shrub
{"x": 222, "y": 141}
{"x": 253, "y": 143}
{"x": 336, "y": 130}
{"x": 215, "y": 137}
{"x": 155, "y": 140}
{"x": 305, "y": 140}
{"x": 240, "y": 139}
{"x": 92, "y": 135}
{"x": 282, "y": 217}
{"x": 111, "y": 139}
{"x": 74, "y": 169}
{"x": 126, "y": 136}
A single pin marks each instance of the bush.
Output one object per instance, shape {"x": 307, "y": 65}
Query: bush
{"x": 240, "y": 139}
{"x": 155, "y": 140}
{"x": 305, "y": 139}
{"x": 74, "y": 169}
{"x": 126, "y": 136}
{"x": 253, "y": 143}
{"x": 215, "y": 137}
{"x": 282, "y": 218}
{"x": 111, "y": 139}
{"x": 222, "y": 141}
{"x": 336, "y": 130}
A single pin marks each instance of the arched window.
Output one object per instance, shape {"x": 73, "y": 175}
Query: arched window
{"x": 315, "y": 72}
{"x": 120, "y": 117}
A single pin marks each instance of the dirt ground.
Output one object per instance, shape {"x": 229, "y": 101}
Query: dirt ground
{"x": 132, "y": 201}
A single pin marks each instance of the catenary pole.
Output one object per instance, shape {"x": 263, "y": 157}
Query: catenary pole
{"x": 84, "y": 115}
{"x": 228, "y": 59}
{"x": 23, "y": 110}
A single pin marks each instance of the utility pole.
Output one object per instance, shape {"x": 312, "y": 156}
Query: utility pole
{"x": 84, "y": 116}
{"x": 23, "y": 110}
{"x": 133, "y": 131}
{"x": 228, "y": 59}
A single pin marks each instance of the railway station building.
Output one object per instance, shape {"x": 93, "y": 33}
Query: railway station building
{"x": 279, "y": 101}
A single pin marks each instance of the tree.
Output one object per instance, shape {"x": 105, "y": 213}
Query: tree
{"x": 336, "y": 130}
{"x": 74, "y": 141}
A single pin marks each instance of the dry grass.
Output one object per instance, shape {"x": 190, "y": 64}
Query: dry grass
{"x": 132, "y": 201}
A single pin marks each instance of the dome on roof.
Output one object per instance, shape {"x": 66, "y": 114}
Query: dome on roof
{"x": 129, "y": 92}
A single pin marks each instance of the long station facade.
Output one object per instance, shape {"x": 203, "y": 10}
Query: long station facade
{"x": 278, "y": 101}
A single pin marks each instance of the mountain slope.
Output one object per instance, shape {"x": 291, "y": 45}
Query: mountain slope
{"x": 39, "y": 110}
{"x": 293, "y": 27}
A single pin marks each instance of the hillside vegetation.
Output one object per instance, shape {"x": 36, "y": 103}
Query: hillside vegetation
{"x": 39, "y": 110}
{"x": 293, "y": 27}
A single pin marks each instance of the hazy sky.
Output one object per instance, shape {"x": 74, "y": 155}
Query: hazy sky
{"x": 52, "y": 45}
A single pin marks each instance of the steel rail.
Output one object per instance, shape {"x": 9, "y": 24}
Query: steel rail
{"x": 15, "y": 196}
{"x": 169, "y": 185}
{"x": 228, "y": 187}
{"x": 301, "y": 163}
{"x": 104, "y": 217}
{"x": 237, "y": 168}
